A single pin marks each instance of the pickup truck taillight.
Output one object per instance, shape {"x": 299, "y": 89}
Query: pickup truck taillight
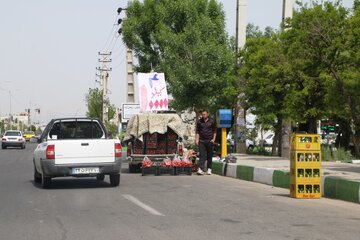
{"x": 50, "y": 152}
{"x": 20, "y": 139}
{"x": 180, "y": 149}
{"x": 118, "y": 149}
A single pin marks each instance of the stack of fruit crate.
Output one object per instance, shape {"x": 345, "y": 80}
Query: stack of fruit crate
{"x": 305, "y": 166}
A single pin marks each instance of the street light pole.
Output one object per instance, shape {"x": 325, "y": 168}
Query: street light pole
{"x": 129, "y": 65}
{"x": 10, "y": 120}
{"x": 240, "y": 114}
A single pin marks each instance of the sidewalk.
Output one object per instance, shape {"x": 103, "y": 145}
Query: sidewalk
{"x": 339, "y": 180}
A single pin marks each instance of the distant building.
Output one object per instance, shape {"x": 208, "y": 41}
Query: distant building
{"x": 18, "y": 121}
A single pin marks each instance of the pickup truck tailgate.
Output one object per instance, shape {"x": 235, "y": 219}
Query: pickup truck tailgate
{"x": 84, "y": 151}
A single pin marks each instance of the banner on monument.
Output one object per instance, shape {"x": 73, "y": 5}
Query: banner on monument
{"x": 152, "y": 92}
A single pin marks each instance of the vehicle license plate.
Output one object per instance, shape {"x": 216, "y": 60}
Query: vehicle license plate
{"x": 85, "y": 170}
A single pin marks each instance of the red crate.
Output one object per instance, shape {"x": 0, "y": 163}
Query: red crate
{"x": 151, "y": 144}
{"x": 183, "y": 170}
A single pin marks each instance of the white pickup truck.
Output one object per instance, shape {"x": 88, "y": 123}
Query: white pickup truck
{"x": 78, "y": 147}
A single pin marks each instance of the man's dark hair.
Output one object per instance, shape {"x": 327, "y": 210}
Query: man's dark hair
{"x": 204, "y": 110}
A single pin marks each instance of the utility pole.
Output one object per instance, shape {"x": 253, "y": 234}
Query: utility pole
{"x": 240, "y": 114}
{"x": 104, "y": 75}
{"x": 130, "y": 76}
{"x": 10, "y": 115}
{"x": 129, "y": 65}
{"x": 286, "y": 125}
{"x": 287, "y": 11}
{"x": 27, "y": 110}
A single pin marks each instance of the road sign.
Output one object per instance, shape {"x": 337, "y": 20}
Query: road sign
{"x": 128, "y": 110}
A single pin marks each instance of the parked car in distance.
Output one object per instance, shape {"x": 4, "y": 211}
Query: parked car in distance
{"x": 77, "y": 147}
{"x": 13, "y": 138}
{"x": 28, "y": 134}
{"x": 249, "y": 143}
{"x": 267, "y": 141}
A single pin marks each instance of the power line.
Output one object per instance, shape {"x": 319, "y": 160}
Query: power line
{"x": 111, "y": 42}
{"x": 110, "y": 33}
{"x": 119, "y": 54}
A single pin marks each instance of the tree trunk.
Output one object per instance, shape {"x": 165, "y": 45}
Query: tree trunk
{"x": 313, "y": 126}
{"x": 276, "y": 146}
{"x": 356, "y": 141}
{"x": 285, "y": 145}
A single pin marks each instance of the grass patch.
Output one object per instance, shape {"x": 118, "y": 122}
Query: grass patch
{"x": 333, "y": 154}
{"x": 258, "y": 150}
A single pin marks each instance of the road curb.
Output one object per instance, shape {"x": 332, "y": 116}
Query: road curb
{"x": 340, "y": 188}
{"x": 218, "y": 168}
{"x": 333, "y": 187}
{"x": 281, "y": 178}
{"x": 231, "y": 170}
{"x": 264, "y": 175}
{"x": 244, "y": 172}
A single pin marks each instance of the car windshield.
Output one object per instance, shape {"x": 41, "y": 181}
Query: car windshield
{"x": 270, "y": 136}
{"x": 12, "y": 134}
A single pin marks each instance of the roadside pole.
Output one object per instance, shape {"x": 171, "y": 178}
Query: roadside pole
{"x": 104, "y": 74}
{"x": 240, "y": 114}
{"x": 286, "y": 125}
{"x": 223, "y": 143}
{"x": 223, "y": 121}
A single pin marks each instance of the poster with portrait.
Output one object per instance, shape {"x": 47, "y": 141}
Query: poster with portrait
{"x": 152, "y": 92}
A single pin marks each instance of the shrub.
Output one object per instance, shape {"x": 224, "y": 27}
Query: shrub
{"x": 330, "y": 153}
{"x": 258, "y": 150}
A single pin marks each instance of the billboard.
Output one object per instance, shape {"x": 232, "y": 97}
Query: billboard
{"x": 152, "y": 92}
{"x": 129, "y": 110}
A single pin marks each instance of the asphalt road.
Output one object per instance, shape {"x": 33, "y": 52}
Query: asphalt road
{"x": 162, "y": 207}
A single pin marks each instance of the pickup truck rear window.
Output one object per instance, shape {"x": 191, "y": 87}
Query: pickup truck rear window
{"x": 76, "y": 130}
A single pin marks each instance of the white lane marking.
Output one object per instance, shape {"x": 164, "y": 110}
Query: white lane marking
{"x": 142, "y": 205}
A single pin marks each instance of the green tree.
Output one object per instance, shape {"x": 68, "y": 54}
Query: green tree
{"x": 94, "y": 103}
{"x": 185, "y": 39}
{"x": 323, "y": 46}
{"x": 2, "y": 126}
{"x": 264, "y": 68}
{"x": 253, "y": 31}
{"x": 112, "y": 128}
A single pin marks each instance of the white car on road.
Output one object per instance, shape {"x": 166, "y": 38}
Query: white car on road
{"x": 13, "y": 138}
{"x": 78, "y": 147}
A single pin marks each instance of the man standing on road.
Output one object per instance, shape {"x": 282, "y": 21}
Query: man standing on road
{"x": 205, "y": 138}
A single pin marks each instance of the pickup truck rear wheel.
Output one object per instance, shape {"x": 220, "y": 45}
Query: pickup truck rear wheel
{"x": 114, "y": 179}
{"x": 100, "y": 177}
{"x": 37, "y": 176}
{"x": 45, "y": 181}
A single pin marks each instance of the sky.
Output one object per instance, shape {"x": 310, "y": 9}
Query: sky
{"x": 49, "y": 51}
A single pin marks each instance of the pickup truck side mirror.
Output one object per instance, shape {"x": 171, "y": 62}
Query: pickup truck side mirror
{"x": 39, "y": 140}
